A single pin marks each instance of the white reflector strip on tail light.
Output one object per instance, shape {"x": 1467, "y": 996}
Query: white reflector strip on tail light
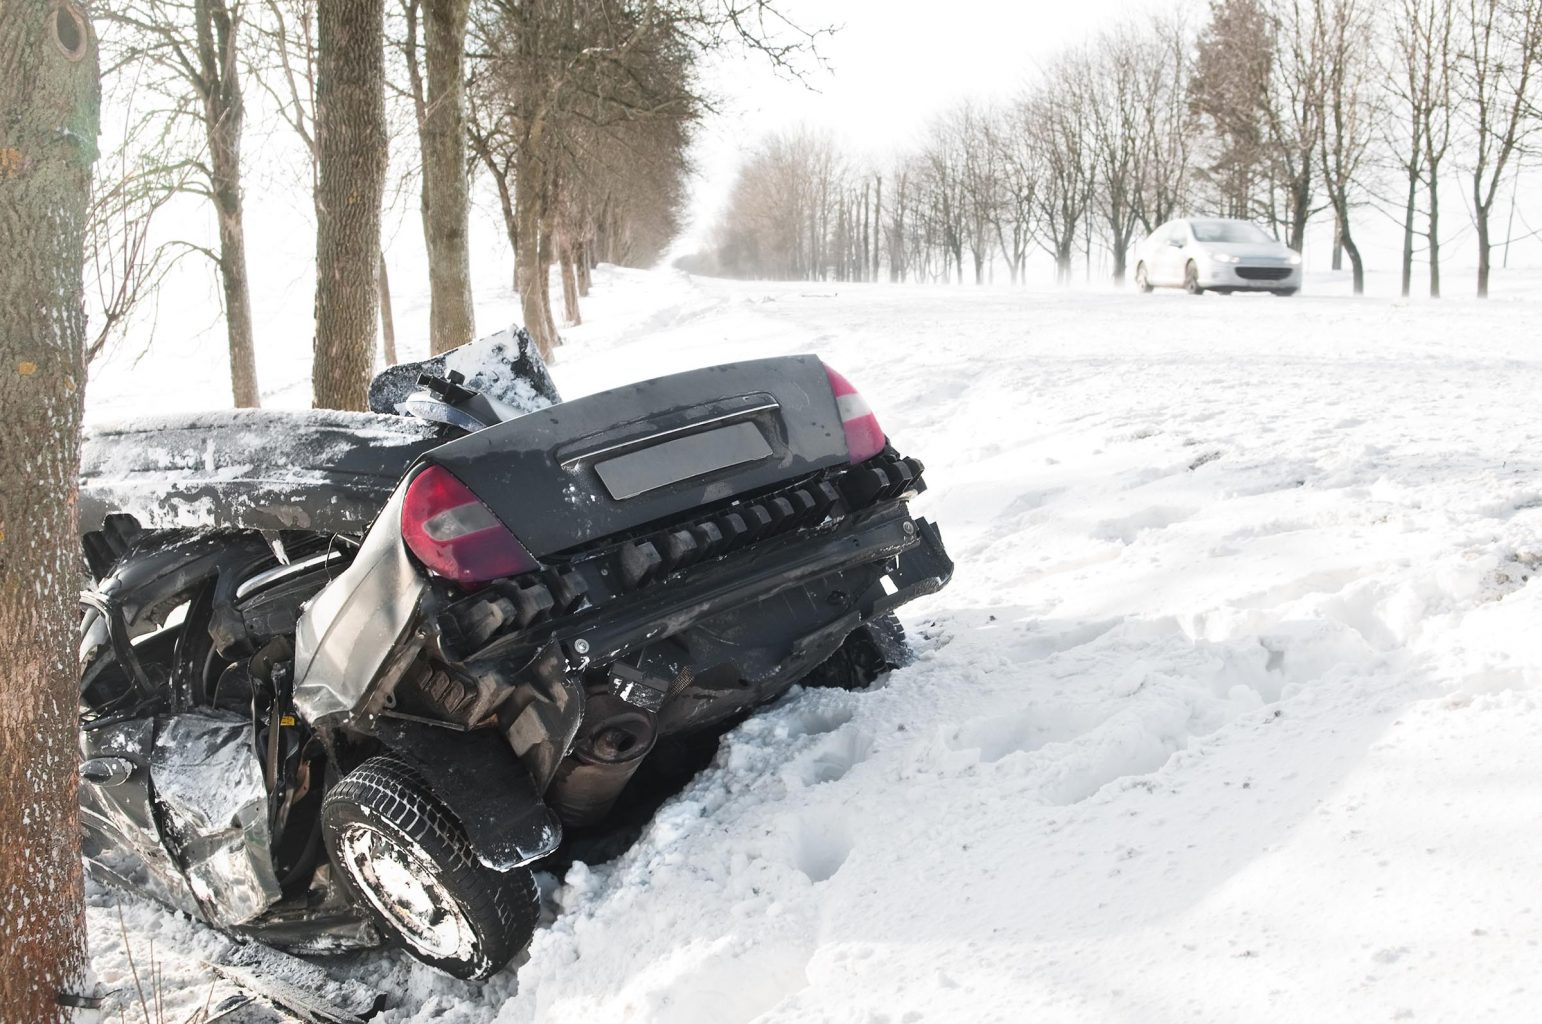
{"x": 864, "y": 437}
{"x": 852, "y": 407}
{"x": 455, "y": 535}
{"x": 454, "y": 523}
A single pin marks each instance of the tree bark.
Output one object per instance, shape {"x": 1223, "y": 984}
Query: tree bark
{"x": 50, "y": 96}
{"x": 570, "y": 308}
{"x": 223, "y": 116}
{"x": 530, "y": 200}
{"x": 442, "y": 133}
{"x": 547, "y": 257}
{"x": 1485, "y": 248}
{"x": 1434, "y": 191}
{"x": 583, "y": 270}
{"x": 506, "y": 205}
{"x": 351, "y": 147}
{"x": 877, "y": 223}
{"x": 387, "y": 316}
{"x": 1300, "y": 210}
{"x": 1408, "y": 232}
{"x": 1356, "y": 265}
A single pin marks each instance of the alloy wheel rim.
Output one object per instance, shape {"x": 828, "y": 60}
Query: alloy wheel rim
{"x": 400, "y": 882}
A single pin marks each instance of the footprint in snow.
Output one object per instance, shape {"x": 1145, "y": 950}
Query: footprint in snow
{"x": 820, "y": 845}
{"x": 835, "y": 755}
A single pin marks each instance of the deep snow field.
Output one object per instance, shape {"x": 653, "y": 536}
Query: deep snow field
{"x": 1231, "y": 711}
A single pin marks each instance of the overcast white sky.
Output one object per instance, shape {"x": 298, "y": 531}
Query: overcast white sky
{"x": 892, "y": 65}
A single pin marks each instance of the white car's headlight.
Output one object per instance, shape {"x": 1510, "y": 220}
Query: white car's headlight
{"x": 1224, "y": 257}
{"x": 1295, "y": 259}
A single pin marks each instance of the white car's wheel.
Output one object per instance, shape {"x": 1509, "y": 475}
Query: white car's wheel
{"x": 1191, "y": 279}
{"x": 1141, "y": 280}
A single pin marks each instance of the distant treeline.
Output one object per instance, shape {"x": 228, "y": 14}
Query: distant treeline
{"x": 1274, "y": 110}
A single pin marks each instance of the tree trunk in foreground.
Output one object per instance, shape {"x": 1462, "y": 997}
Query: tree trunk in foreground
{"x": 351, "y": 148}
{"x": 443, "y": 138}
{"x": 49, "y": 94}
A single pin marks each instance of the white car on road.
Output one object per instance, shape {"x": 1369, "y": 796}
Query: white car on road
{"x": 1199, "y": 254}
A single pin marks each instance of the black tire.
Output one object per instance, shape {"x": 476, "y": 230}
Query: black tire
{"x": 870, "y": 650}
{"x": 1191, "y": 279}
{"x": 1142, "y": 281}
{"x": 383, "y": 815}
{"x": 1284, "y": 293}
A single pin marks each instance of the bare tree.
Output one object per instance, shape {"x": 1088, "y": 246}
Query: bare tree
{"x": 1056, "y": 115}
{"x": 48, "y": 137}
{"x": 1348, "y": 115}
{"x": 492, "y": 137}
{"x": 1118, "y": 107}
{"x": 1295, "y": 110}
{"x": 777, "y": 214}
{"x": 572, "y": 91}
{"x": 1497, "y": 70}
{"x": 286, "y": 66}
{"x": 897, "y": 231}
{"x": 1419, "y": 73}
{"x": 1436, "y": 118}
{"x": 981, "y": 171}
{"x": 195, "y": 46}
{"x": 126, "y": 261}
{"x": 1012, "y": 215}
{"x": 436, "y": 71}
{"x": 947, "y": 201}
{"x": 1164, "y": 166}
{"x": 351, "y": 155}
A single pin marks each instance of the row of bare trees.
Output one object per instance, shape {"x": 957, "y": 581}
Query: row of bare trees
{"x": 1280, "y": 111}
{"x": 577, "y": 114}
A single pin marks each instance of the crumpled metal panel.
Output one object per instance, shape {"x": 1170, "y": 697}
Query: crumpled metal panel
{"x": 350, "y": 629}
{"x": 208, "y": 778}
{"x": 121, "y": 833}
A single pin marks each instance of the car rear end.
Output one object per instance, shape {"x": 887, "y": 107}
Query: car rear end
{"x": 645, "y": 561}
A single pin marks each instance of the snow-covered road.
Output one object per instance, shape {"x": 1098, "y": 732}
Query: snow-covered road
{"x": 1230, "y": 711}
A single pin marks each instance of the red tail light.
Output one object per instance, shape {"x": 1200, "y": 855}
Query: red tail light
{"x": 457, "y": 536}
{"x": 864, "y": 437}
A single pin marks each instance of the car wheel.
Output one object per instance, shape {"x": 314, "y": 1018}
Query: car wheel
{"x": 1284, "y": 293}
{"x": 1191, "y": 279}
{"x": 870, "y": 650}
{"x": 410, "y": 866}
{"x": 1141, "y": 280}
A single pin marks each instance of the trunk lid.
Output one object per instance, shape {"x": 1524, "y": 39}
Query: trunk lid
{"x": 646, "y": 453}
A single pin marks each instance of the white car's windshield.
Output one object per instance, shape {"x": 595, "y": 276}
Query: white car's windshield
{"x": 1228, "y": 231}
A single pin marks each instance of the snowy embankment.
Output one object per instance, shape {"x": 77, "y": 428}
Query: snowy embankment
{"x": 1230, "y": 711}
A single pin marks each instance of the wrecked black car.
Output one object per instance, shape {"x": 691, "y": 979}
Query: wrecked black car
{"x": 348, "y": 677}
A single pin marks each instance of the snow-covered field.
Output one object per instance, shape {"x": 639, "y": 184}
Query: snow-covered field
{"x": 1231, "y": 711}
